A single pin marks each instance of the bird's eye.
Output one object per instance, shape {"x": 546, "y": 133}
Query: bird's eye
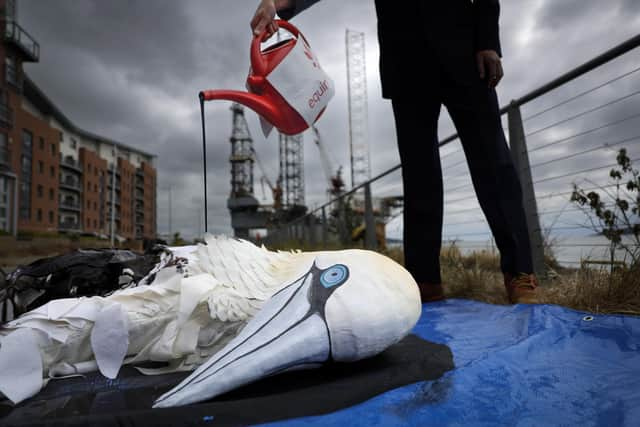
{"x": 334, "y": 276}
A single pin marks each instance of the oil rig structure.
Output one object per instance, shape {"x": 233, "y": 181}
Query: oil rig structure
{"x": 288, "y": 192}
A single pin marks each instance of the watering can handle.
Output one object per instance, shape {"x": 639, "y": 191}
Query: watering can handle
{"x": 257, "y": 60}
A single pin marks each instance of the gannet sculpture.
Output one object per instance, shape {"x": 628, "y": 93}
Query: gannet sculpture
{"x": 234, "y": 311}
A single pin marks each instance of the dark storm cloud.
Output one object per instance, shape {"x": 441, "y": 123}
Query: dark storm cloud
{"x": 131, "y": 70}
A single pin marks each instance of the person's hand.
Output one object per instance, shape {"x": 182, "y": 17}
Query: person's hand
{"x": 263, "y": 18}
{"x": 489, "y": 66}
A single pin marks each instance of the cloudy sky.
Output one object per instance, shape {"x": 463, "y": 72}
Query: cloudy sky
{"x": 131, "y": 70}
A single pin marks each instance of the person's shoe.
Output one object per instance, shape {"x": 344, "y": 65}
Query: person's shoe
{"x": 430, "y": 292}
{"x": 521, "y": 288}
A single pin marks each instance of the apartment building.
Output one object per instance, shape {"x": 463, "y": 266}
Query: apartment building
{"x": 55, "y": 176}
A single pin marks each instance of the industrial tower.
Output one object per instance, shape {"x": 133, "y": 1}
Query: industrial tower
{"x": 358, "y": 119}
{"x": 241, "y": 155}
{"x": 291, "y": 176}
{"x": 241, "y": 203}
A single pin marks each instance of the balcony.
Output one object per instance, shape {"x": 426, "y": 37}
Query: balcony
{"x": 22, "y": 40}
{"x": 71, "y": 184}
{"x": 69, "y": 226}
{"x": 69, "y": 205}
{"x": 5, "y": 157}
{"x": 140, "y": 173}
{"x": 69, "y": 163}
{"x": 139, "y": 195}
{"x": 140, "y": 184}
{"x": 6, "y": 116}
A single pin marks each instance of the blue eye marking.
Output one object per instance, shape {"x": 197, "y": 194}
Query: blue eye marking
{"x": 334, "y": 276}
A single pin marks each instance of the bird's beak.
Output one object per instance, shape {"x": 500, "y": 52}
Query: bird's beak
{"x": 288, "y": 333}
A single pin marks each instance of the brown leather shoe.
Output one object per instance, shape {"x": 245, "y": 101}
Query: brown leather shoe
{"x": 521, "y": 288}
{"x": 430, "y": 292}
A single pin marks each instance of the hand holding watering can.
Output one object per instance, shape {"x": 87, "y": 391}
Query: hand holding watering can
{"x": 287, "y": 87}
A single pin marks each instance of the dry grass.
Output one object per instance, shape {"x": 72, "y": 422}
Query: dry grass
{"x": 597, "y": 290}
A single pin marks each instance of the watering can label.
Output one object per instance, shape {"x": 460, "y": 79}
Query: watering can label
{"x": 301, "y": 81}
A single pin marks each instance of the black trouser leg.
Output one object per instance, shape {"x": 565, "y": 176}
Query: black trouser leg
{"x": 417, "y": 131}
{"x": 475, "y": 113}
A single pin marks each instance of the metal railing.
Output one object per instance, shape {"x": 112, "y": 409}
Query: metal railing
{"x": 5, "y": 156}
{"x": 15, "y": 33}
{"x": 546, "y": 181}
{"x": 70, "y": 205}
{"x": 71, "y": 184}
{"x": 69, "y": 225}
{"x": 69, "y": 163}
{"x": 6, "y": 115}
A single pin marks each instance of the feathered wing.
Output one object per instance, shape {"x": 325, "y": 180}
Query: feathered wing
{"x": 187, "y": 313}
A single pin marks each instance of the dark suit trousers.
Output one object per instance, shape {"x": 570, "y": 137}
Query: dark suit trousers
{"x": 474, "y": 110}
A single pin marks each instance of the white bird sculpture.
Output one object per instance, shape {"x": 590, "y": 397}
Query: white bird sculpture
{"x": 237, "y": 311}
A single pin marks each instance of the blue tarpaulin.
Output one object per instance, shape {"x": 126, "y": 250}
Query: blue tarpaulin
{"x": 515, "y": 365}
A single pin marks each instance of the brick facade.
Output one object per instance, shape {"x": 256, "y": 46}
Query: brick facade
{"x": 127, "y": 173}
{"x": 58, "y": 173}
{"x": 44, "y": 161}
{"x": 94, "y": 175}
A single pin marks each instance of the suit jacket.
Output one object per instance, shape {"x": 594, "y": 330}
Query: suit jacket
{"x": 444, "y": 35}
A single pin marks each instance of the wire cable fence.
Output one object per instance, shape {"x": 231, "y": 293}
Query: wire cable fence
{"x": 566, "y": 136}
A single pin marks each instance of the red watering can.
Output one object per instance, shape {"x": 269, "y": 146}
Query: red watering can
{"x": 299, "y": 78}
{"x": 262, "y": 97}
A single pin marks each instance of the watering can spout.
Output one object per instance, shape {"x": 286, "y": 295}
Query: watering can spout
{"x": 257, "y": 103}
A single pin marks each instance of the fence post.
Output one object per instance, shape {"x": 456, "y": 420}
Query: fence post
{"x": 520, "y": 157}
{"x": 341, "y": 220}
{"x": 369, "y": 220}
{"x": 313, "y": 225}
{"x": 324, "y": 228}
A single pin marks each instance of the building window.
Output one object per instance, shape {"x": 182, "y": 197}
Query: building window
{"x": 11, "y": 70}
{"x": 40, "y": 191}
{"x": 95, "y": 224}
{"x": 89, "y": 167}
{"x": 51, "y": 217}
{"x": 41, "y": 143}
{"x": 54, "y": 149}
{"x": 39, "y": 215}
{"x": 52, "y": 194}
{"x": 40, "y": 166}
{"x": 25, "y": 174}
{"x": 52, "y": 171}
{"x": 74, "y": 143}
{"x": 4, "y": 149}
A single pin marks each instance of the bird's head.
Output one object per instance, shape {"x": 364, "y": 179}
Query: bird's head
{"x": 343, "y": 306}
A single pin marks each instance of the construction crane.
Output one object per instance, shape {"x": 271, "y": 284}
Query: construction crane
{"x": 336, "y": 184}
